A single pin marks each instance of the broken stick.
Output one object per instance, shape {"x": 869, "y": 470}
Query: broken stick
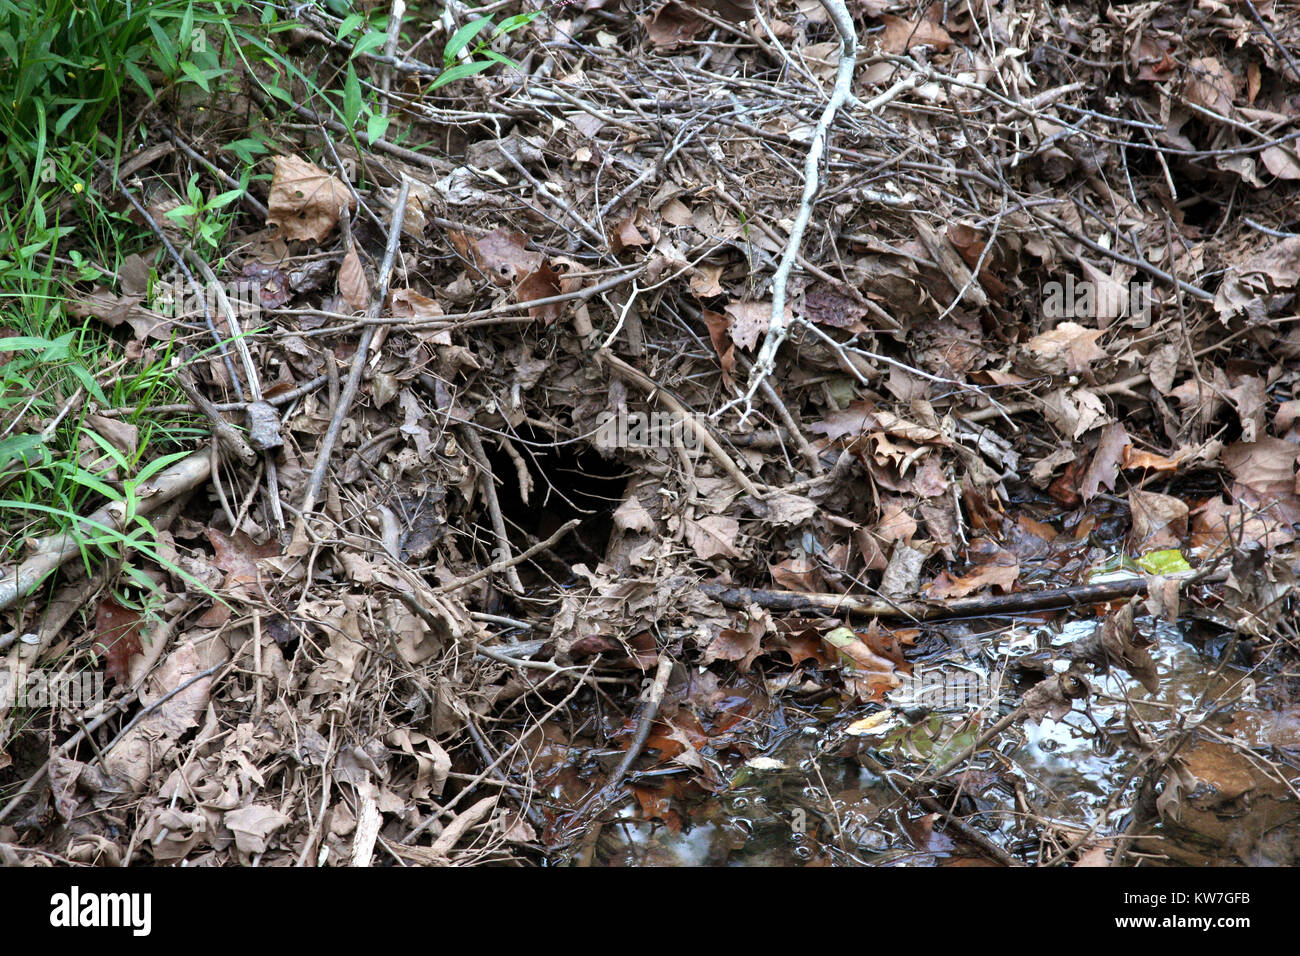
{"x": 1048, "y": 599}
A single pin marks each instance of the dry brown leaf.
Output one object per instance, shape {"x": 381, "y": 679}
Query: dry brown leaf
{"x": 1067, "y": 348}
{"x": 1094, "y": 856}
{"x": 713, "y": 536}
{"x": 354, "y": 288}
{"x": 902, "y": 35}
{"x": 1112, "y": 445}
{"x": 1163, "y": 597}
{"x": 305, "y": 201}
{"x": 1159, "y": 521}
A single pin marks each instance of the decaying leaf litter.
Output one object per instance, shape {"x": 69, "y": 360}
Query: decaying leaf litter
{"x": 542, "y": 533}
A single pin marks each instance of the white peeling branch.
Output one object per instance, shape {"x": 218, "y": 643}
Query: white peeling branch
{"x": 776, "y": 329}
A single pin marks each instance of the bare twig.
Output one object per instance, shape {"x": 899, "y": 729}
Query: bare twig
{"x": 1074, "y": 596}
{"x": 358, "y": 362}
{"x": 777, "y": 330}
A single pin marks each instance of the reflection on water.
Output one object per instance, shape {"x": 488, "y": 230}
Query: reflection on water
{"x": 816, "y": 795}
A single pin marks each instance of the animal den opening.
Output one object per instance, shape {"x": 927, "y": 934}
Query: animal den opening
{"x": 563, "y": 481}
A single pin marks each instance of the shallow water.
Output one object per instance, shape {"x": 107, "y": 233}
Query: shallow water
{"x": 811, "y": 799}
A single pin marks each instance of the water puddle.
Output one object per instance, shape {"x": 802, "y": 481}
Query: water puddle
{"x": 817, "y": 789}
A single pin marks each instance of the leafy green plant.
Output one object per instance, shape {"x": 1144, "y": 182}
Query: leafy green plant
{"x": 30, "y": 366}
{"x": 461, "y": 40}
{"x": 199, "y": 213}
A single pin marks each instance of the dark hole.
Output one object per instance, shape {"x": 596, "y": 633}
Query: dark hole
{"x": 569, "y": 481}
